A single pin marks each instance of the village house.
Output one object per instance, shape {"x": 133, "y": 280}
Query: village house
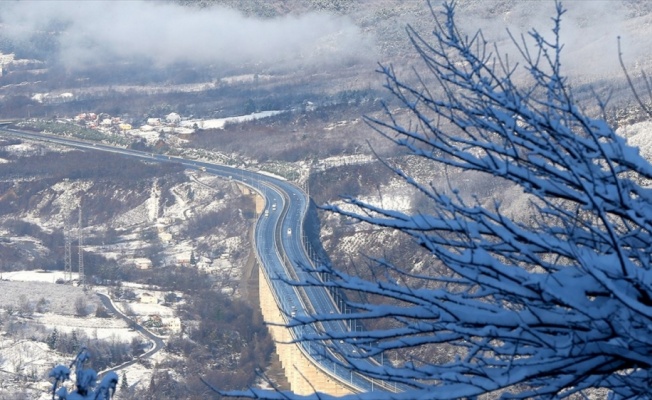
{"x": 142, "y": 263}
{"x": 184, "y": 258}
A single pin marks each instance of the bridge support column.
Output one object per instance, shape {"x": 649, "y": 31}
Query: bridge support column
{"x": 304, "y": 377}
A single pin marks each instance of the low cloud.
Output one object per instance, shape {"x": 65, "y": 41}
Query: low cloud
{"x": 589, "y": 31}
{"x": 93, "y": 32}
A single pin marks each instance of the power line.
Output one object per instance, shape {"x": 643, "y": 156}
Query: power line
{"x": 82, "y": 277}
{"x": 67, "y": 257}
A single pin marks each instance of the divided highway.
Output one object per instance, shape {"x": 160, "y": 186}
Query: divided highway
{"x": 279, "y": 247}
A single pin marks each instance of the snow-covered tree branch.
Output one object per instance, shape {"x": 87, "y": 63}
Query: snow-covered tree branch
{"x": 540, "y": 309}
{"x": 86, "y": 386}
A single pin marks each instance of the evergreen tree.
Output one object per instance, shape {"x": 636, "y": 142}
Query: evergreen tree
{"x": 53, "y": 339}
{"x": 124, "y": 386}
{"x": 74, "y": 341}
{"x": 152, "y": 383}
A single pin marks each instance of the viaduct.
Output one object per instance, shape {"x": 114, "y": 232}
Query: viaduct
{"x": 304, "y": 375}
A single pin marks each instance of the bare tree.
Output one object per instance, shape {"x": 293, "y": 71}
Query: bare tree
{"x": 25, "y": 306}
{"x": 544, "y": 308}
{"x": 81, "y": 307}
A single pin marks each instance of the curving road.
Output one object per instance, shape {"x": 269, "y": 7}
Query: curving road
{"x": 157, "y": 341}
{"x": 279, "y": 247}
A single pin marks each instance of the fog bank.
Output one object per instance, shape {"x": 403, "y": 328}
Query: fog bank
{"x": 91, "y": 32}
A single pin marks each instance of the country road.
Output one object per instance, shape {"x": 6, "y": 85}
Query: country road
{"x": 157, "y": 341}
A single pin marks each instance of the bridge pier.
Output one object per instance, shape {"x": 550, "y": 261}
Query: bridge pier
{"x": 304, "y": 377}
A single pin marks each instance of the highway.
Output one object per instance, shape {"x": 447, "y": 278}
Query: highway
{"x": 280, "y": 250}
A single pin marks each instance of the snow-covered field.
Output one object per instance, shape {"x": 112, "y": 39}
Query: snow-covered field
{"x": 219, "y": 123}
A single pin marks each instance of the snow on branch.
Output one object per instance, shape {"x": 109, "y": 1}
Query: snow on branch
{"x": 543, "y": 309}
{"x": 86, "y": 386}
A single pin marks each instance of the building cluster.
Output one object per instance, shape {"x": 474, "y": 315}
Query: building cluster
{"x": 95, "y": 121}
{"x": 104, "y": 122}
{"x": 156, "y": 322}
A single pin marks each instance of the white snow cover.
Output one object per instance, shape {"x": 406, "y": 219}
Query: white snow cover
{"x": 220, "y": 122}
{"x": 639, "y": 135}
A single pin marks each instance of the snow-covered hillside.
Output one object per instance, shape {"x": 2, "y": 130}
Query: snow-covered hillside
{"x": 176, "y": 219}
{"x": 122, "y": 221}
{"x": 352, "y": 245}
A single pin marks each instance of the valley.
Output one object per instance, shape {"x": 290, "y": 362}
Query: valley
{"x": 172, "y": 245}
